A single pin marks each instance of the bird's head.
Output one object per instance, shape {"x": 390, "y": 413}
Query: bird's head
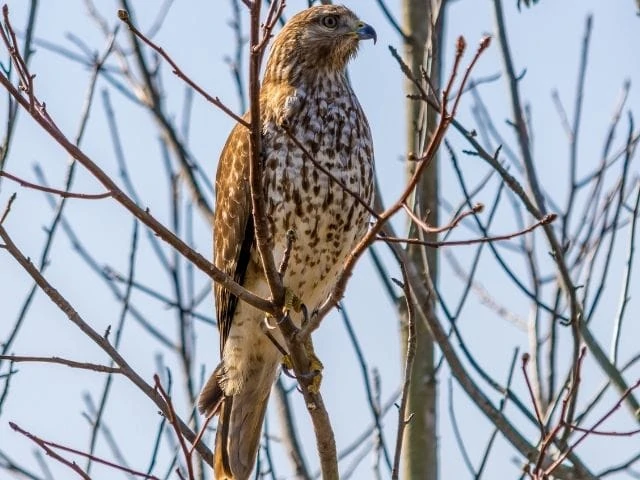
{"x": 319, "y": 39}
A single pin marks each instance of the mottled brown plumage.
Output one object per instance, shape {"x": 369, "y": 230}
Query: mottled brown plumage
{"x": 304, "y": 91}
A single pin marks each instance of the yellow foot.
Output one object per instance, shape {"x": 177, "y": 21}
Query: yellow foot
{"x": 291, "y": 301}
{"x": 287, "y": 363}
{"x": 315, "y": 367}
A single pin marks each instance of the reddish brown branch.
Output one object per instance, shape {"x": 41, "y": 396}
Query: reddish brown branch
{"x": 48, "y": 447}
{"x": 97, "y": 338}
{"x": 275, "y": 11}
{"x": 26, "y": 79}
{"x": 485, "y": 42}
{"x": 549, "y": 438}
{"x": 44, "y": 120}
{"x": 7, "y": 209}
{"x": 63, "y": 361}
{"x": 525, "y": 361}
{"x": 258, "y": 207}
{"x": 199, "y": 436}
{"x": 424, "y": 160}
{"x": 173, "y": 420}
{"x": 593, "y": 430}
{"x": 124, "y": 16}
{"x": 450, "y": 226}
{"x": 55, "y": 191}
{"x": 450, "y": 243}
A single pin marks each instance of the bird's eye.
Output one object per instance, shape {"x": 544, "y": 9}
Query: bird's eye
{"x": 330, "y": 21}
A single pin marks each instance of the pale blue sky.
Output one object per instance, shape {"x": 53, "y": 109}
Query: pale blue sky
{"x": 47, "y": 400}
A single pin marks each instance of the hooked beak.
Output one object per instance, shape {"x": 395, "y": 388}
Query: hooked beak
{"x": 366, "y": 32}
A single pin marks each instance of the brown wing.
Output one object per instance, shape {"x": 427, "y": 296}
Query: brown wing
{"x": 233, "y": 223}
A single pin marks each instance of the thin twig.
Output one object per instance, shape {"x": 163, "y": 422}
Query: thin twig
{"x": 457, "y": 433}
{"x": 624, "y": 295}
{"x": 174, "y": 421}
{"x": 124, "y": 16}
{"x": 424, "y": 160}
{"x": 63, "y": 361}
{"x": 408, "y": 366}
{"x": 96, "y": 337}
{"x": 259, "y": 211}
{"x": 448, "y": 243}
{"x": 55, "y": 191}
{"x": 12, "y": 107}
{"x": 364, "y": 369}
{"x": 48, "y": 447}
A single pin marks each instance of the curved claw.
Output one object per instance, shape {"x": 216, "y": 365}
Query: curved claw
{"x": 314, "y": 377}
{"x": 288, "y": 373}
{"x": 305, "y": 314}
{"x": 267, "y": 324}
{"x": 291, "y": 301}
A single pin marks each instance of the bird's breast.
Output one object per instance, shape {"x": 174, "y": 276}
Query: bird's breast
{"x": 318, "y": 176}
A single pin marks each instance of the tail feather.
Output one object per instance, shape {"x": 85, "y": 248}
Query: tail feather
{"x": 239, "y": 423}
{"x": 221, "y": 466}
{"x": 212, "y": 396}
{"x": 238, "y": 434}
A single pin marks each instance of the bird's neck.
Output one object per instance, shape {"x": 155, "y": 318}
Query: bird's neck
{"x": 297, "y": 73}
{"x": 282, "y": 99}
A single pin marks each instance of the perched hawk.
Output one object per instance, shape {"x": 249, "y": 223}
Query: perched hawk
{"x": 305, "y": 94}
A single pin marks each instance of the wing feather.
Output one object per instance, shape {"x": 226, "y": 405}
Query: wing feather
{"x": 233, "y": 223}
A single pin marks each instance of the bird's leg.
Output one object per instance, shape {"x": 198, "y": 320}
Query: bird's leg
{"x": 291, "y": 301}
{"x": 315, "y": 365}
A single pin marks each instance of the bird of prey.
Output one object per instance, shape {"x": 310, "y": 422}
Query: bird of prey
{"x": 310, "y": 115}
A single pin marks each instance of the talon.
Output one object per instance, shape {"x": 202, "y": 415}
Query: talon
{"x": 314, "y": 377}
{"x": 292, "y": 235}
{"x": 291, "y": 301}
{"x": 266, "y": 323}
{"x": 287, "y": 364}
{"x": 314, "y": 386}
{"x": 305, "y": 314}
{"x": 266, "y": 327}
{"x": 315, "y": 367}
{"x": 291, "y": 376}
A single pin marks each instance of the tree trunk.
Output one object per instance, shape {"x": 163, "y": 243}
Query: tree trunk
{"x": 422, "y": 21}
